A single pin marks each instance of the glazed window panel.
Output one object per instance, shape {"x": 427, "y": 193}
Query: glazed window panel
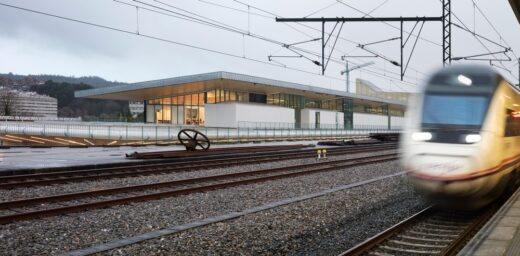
{"x": 270, "y": 99}
{"x": 211, "y": 98}
{"x": 195, "y": 99}
{"x": 175, "y": 118}
{"x": 245, "y": 97}
{"x": 187, "y": 100}
{"x": 222, "y": 96}
{"x": 201, "y": 99}
{"x": 167, "y": 101}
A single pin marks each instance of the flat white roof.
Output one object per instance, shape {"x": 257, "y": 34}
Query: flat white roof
{"x": 144, "y": 90}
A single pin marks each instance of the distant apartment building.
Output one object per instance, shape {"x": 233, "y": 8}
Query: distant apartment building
{"x": 28, "y": 104}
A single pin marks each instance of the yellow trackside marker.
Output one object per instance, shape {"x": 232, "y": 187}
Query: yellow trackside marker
{"x": 319, "y": 153}
{"x": 324, "y": 152}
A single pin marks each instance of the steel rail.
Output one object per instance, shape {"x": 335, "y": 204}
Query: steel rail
{"x": 154, "y": 169}
{"x": 438, "y": 236}
{"x": 333, "y": 165}
{"x": 332, "y": 151}
{"x": 112, "y": 191}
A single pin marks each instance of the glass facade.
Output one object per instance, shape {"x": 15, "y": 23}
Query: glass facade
{"x": 189, "y": 109}
{"x": 181, "y": 109}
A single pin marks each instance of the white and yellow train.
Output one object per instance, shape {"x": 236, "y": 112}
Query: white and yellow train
{"x": 461, "y": 143}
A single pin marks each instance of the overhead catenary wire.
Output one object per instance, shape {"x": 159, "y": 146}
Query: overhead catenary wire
{"x": 161, "y": 39}
{"x": 388, "y": 24}
{"x": 155, "y": 38}
{"x": 478, "y": 35}
{"x": 478, "y": 39}
{"x": 492, "y": 26}
{"x": 321, "y": 9}
{"x": 213, "y": 23}
{"x": 375, "y": 8}
{"x": 344, "y": 39}
{"x": 144, "y": 35}
{"x": 231, "y": 28}
{"x": 274, "y": 15}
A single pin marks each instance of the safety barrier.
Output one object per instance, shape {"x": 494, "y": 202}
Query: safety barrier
{"x": 164, "y": 132}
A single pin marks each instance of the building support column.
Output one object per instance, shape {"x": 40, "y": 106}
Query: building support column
{"x": 348, "y": 116}
{"x": 389, "y": 124}
{"x": 144, "y": 111}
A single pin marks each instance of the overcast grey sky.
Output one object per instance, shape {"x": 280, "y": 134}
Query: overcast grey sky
{"x": 169, "y": 45}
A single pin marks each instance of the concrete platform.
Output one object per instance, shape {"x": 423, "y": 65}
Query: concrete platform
{"x": 501, "y": 235}
{"x": 20, "y": 159}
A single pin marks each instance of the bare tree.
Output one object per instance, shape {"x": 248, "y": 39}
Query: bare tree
{"x": 8, "y": 102}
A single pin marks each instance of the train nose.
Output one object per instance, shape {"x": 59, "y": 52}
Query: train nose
{"x": 442, "y": 166}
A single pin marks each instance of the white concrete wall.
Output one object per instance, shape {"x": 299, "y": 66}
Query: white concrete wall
{"x": 229, "y": 114}
{"x": 397, "y": 122}
{"x": 328, "y": 118}
{"x": 362, "y": 120}
{"x": 220, "y": 115}
{"x": 264, "y": 113}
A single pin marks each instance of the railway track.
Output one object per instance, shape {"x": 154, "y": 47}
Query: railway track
{"x": 40, "y": 179}
{"x": 429, "y": 232}
{"x": 32, "y": 208}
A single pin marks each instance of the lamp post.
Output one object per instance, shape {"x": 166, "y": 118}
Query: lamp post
{"x": 348, "y": 70}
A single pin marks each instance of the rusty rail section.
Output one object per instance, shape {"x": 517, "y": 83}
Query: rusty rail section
{"x": 173, "y": 189}
{"x": 212, "y": 151}
{"x": 39, "y": 179}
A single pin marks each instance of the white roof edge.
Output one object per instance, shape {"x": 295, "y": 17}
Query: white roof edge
{"x": 229, "y": 76}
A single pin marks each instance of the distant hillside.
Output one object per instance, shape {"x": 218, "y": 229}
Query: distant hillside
{"x": 13, "y": 80}
{"x": 88, "y": 109}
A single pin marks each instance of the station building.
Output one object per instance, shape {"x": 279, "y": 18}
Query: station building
{"x": 224, "y": 99}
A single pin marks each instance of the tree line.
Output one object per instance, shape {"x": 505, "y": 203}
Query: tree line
{"x": 88, "y": 109}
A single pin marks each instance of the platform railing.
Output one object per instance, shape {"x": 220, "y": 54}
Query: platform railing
{"x": 163, "y": 132}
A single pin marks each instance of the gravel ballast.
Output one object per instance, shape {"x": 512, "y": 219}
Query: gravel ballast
{"x": 324, "y": 226}
{"x": 39, "y": 191}
{"x": 63, "y": 233}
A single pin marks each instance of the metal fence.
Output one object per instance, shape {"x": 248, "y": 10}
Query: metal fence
{"x": 312, "y": 126}
{"x": 161, "y": 132}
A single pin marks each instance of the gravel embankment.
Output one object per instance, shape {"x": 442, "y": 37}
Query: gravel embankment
{"x": 63, "y": 233}
{"x": 323, "y": 226}
{"x": 22, "y": 193}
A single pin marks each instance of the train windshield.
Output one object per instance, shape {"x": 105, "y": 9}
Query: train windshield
{"x": 454, "y": 110}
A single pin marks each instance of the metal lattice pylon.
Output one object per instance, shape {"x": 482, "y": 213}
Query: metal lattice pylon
{"x": 446, "y": 32}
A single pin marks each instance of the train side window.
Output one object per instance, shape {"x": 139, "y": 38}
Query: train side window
{"x": 512, "y": 123}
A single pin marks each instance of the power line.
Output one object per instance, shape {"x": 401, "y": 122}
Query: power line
{"x": 178, "y": 43}
{"x": 321, "y": 9}
{"x": 158, "y": 39}
{"x": 388, "y": 24}
{"x": 478, "y": 39}
{"x": 492, "y": 26}
{"x": 274, "y": 15}
{"x": 228, "y": 27}
{"x": 377, "y": 7}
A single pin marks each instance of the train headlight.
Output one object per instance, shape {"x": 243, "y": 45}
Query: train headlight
{"x": 473, "y": 138}
{"x": 421, "y": 136}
